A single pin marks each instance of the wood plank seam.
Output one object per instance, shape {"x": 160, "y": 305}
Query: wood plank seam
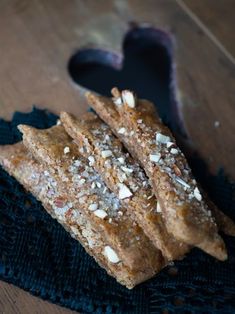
{"x": 206, "y": 30}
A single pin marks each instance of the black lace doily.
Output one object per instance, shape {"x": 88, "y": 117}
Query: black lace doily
{"x": 37, "y": 255}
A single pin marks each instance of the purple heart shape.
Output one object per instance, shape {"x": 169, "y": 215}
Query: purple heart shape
{"x": 146, "y": 67}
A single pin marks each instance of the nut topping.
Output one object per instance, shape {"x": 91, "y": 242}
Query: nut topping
{"x": 197, "y": 194}
{"x": 111, "y": 254}
{"x": 128, "y": 98}
{"x": 161, "y": 138}
{"x": 155, "y": 158}
{"x": 66, "y": 150}
{"x": 124, "y": 191}
{"x": 106, "y": 153}
{"x": 100, "y": 213}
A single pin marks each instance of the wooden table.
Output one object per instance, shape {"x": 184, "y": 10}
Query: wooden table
{"x": 38, "y": 37}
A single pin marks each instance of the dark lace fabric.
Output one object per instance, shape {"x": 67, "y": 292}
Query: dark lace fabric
{"x": 38, "y": 255}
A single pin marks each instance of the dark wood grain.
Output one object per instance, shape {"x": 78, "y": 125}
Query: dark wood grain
{"x": 16, "y": 301}
{"x": 218, "y": 17}
{"x": 38, "y": 37}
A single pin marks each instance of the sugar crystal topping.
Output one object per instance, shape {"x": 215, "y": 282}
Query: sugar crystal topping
{"x": 168, "y": 157}
{"x": 128, "y": 172}
{"x": 174, "y": 164}
{"x": 87, "y": 188}
{"x": 163, "y": 153}
{"x": 64, "y": 210}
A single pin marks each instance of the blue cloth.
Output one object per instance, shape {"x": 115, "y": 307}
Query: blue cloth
{"x": 38, "y": 255}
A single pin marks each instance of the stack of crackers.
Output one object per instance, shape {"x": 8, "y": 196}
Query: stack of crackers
{"x": 120, "y": 185}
